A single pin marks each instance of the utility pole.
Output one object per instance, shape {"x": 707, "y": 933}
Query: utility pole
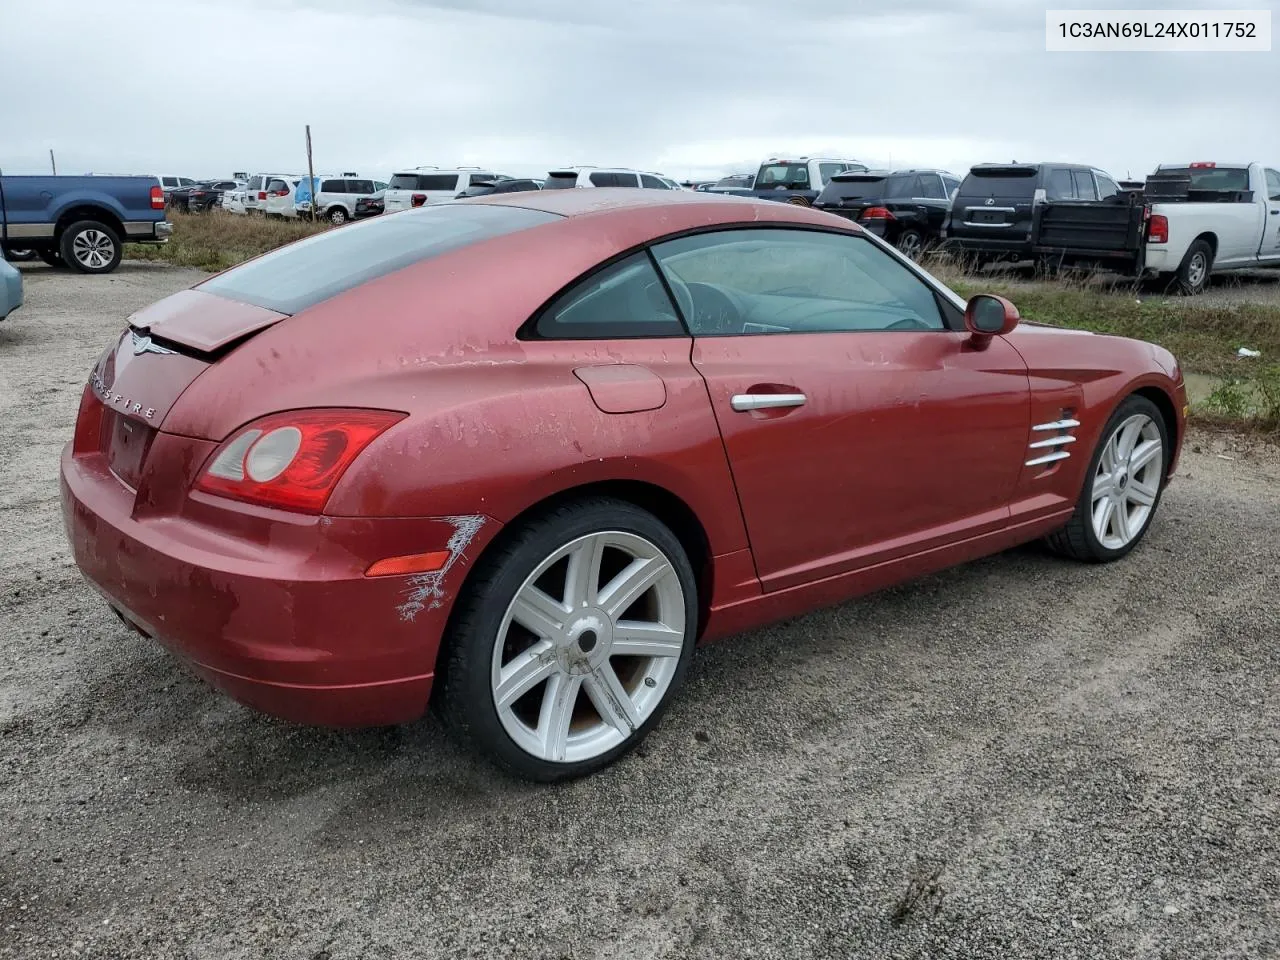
{"x": 311, "y": 175}
{"x": 52, "y": 162}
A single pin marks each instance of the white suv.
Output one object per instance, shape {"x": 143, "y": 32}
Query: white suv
{"x": 336, "y": 201}
{"x": 416, "y": 186}
{"x": 255, "y": 194}
{"x": 568, "y": 177}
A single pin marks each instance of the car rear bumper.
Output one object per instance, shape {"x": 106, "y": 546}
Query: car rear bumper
{"x": 1010, "y": 247}
{"x": 271, "y": 609}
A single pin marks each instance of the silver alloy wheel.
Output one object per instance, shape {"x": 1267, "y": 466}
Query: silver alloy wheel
{"x": 910, "y": 245}
{"x": 1127, "y": 481}
{"x": 1196, "y": 269}
{"x": 337, "y": 215}
{"x": 588, "y": 647}
{"x": 93, "y": 248}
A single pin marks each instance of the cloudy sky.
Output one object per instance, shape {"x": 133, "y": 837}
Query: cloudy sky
{"x": 689, "y": 87}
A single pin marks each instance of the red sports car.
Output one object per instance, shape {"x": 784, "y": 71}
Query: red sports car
{"x": 515, "y": 455}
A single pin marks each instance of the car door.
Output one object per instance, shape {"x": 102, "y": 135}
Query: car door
{"x": 1269, "y": 249}
{"x": 859, "y": 420}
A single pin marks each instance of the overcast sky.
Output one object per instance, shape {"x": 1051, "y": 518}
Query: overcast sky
{"x": 688, "y": 87}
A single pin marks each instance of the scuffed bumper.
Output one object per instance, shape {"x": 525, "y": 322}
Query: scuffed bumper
{"x": 274, "y": 610}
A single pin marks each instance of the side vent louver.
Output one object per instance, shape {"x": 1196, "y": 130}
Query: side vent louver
{"x": 1051, "y": 448}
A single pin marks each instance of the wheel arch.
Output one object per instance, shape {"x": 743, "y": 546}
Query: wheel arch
{"x": 85, "y": 211}
{"x": 669, "y": 508}
{"x": 1209, "y": 237}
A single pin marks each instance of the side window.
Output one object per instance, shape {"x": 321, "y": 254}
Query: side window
{"x": 255, "y": 183}
{"x": 627, "y": 299}
{"x": 1085, "y": 190}
{"x": 757, "y": 281}
{"x": 603, "y": 180}
{"x": 379, "y": 185}
{"x": 952, "y": 185}
{"x": 333, "y": 186}
{"x": 438, "y": 181}
{"x": 360, "y": 186}
{"x": 170, "y": 181}
{"x": 930, "y": 186}
{"x": 1106, "y": 186}
{"x": 829, "y": 170}
{"x": 1273, "y": 185}
{"x": 1058, "y": 185}
{"x": 653, "y": 183}
{"x": 626, "y": 180}
{"x": 187, "y": 181}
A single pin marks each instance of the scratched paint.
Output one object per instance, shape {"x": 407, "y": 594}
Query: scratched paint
{"x": 425, "y": 591}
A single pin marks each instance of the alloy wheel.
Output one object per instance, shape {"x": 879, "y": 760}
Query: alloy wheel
{"x": 588, "y": 647}
{"x": 93, "y": 248}
{"x": 1126, "y": 483}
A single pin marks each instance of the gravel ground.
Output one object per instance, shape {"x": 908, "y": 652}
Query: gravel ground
{"x": 1021, "y": 758}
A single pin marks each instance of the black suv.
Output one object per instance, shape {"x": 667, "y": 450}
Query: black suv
{"x": 906, "y": 207}
{"x": 993, "y": 214}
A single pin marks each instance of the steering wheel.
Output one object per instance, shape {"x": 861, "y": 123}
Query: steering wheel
{"x": 908, "y": 323}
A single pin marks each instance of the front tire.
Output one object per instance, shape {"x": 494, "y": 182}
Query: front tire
{"x": 1122, "y": 487}
{"x": 90, "y": 247}
{"x": 571, "y": 640}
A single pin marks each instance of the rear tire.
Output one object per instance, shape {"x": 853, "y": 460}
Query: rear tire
{"x": 1122, "y": 488}
{"x": 16, "y": 255}
{"x": 1193, "y": 273}
{"x": 504, "y": 684}
{"x": 911, "y": 244}
{"x": 90, "y": 247}
{"x": 337, "y": 216}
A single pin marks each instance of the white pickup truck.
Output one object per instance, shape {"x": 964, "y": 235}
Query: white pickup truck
{"x": 1191, "y": 220}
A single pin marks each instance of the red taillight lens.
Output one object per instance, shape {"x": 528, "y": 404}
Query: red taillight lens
{"x": 418, "y": 199}
{"x": 262, "y": 194}
{"x": 157, "y": 198}
{"x": 877, "y": 213}
{"x": 1157, "y": 229}
{"x": 292, "y": 460}
{"x": 1203, "y": 165}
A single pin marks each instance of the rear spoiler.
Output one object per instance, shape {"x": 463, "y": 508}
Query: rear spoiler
{"x": 858, "y": 176}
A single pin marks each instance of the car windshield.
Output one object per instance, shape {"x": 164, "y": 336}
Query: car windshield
{"x": 313, "y": 270}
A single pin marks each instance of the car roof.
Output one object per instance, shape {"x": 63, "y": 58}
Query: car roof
{"x": 720, "y": 208}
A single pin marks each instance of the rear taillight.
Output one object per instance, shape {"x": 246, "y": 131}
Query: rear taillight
{"x": 262, "y": 194}
{"x": 157, "y": 198}
{"x": 1157, "y": 228}
{"x": 292, "y": 460}
{"x": 877, "y": 213}
{"x": 418, "y": 199}
{"x": 1202, "y": 165}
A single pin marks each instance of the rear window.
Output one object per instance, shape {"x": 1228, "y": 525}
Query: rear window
{"x": 783, "y": 175}
{"x": 313, "y": 270}
{"x": 561, "y": 181}
{"x": 1212, "y": 178}
{"x": 1000, "y": 182}
{"x": 898, "y": 187}
{"x": 845, "y": 187}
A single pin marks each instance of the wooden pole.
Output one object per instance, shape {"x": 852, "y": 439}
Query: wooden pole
{"x": 311, "y": 175}
{"x": 52, "y": 162}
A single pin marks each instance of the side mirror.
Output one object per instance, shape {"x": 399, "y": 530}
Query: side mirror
{"x": 987, "y": 316}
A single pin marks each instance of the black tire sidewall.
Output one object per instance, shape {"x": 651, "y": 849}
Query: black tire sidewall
{"x": 66, "y": 248}
{"x": 919, "y": 242}
{"x": 1183, "y": 283}
{"x": 467, "y": 697}
{"x": 1131, "y": 405}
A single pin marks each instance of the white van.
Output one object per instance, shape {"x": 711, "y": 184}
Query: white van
{"x": 416, "y": 186}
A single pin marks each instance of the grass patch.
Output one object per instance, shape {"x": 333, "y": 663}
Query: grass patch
{"x": 216, "y": 240}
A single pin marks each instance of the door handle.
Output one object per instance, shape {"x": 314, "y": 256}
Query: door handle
{"x": 743, "y": 402}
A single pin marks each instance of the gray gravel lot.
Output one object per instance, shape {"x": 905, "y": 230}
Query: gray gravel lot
{"x": 1020, "y": 758}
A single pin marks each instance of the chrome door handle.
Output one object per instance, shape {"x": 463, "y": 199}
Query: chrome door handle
{"x": 743, "y": 402}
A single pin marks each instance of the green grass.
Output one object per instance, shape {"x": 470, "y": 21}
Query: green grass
{"x": 216, "y": 240}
